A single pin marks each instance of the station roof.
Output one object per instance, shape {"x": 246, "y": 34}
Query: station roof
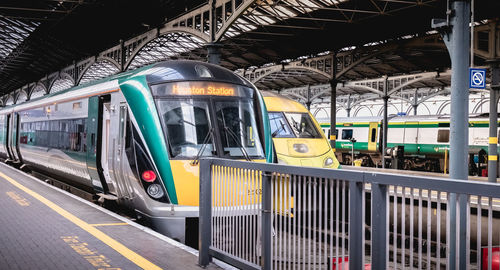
{"x": 40, "y": 37}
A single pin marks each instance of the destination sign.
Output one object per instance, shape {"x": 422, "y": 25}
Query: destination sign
{"x": 201, "y": 88}
{"x": 191, "y": 90}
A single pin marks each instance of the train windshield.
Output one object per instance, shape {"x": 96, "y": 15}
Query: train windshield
{"x": 279, "y": 126}
{"x": 208, "y": 119}
{"x": 239, "y": 136}
{"x": 187, "y": 126}
{"x": 302, "y": 125}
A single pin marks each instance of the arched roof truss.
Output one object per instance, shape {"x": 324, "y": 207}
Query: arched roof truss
{"x": 62, "y": 82}
{"x": 98, "y": 70}
{"x": 168, "y": 46}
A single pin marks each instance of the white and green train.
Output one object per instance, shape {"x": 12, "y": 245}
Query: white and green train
{"x": 136, "y": 137}
{"x": 424, "y": 140}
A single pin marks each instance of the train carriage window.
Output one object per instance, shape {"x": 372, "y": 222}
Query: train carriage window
{"x": 346, "y": 134}
{"x": 443, "y": 135}
{"x": 374, "y": 135}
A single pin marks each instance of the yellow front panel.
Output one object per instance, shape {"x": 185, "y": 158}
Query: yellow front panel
{"x": 238, "y": 187}
{"x": 186, "y": 180}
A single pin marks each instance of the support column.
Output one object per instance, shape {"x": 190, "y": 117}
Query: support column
{"x": 456, "y": 35}
{"x": 214, "y": 54}
{"x": 348, "y": 108}
{"x": 333, "y": 113}
{"x": 385, "y": 123}
{"x": 308, "y": 102}
{"x": 122, "y": 55}
{"x": 415, "y": 102}
{"x": 415, "y": 107}
{"x": 493, "y": 140}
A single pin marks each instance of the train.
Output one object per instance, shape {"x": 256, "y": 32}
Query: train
{"x": 413, "y": 142}
{"x": 297, "y": 136}
{"x": 136, "y": 138}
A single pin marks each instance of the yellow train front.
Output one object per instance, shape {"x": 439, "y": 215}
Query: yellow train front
{"x": 297, "y": 136}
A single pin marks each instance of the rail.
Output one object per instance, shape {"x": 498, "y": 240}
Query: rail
{"x": 270, "y": 216}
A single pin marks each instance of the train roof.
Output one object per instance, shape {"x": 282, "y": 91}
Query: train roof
{"x": 407, "y": 118}
{"x": 279, "y": 103}
{"x": 167, "y": 71}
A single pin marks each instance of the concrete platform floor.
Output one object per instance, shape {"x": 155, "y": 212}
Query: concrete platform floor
{"x": 43, "y": 227}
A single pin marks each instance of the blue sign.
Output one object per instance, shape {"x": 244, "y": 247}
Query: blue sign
{"x": 477, "y": 78}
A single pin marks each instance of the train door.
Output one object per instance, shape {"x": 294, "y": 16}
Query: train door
{"x": 3, "y": 136}
{"x": 105, "y": 147}
{"x": 410, "y": 141}
{"x": 117, "y": 156}
{"x": 94, "y": 122}
{"x": 12, "y": 141}
{"x": 372, "y": 136}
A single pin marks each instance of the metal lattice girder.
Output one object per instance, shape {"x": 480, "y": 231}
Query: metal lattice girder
{"x": 400, "y": 87}
{"x": 321, "y": 65}
{"x": 12, "y": 34}
{"x": 350, "y": 63}
{"x": 98, "y": 70}
{"x": 171, "y": 45}
{"x": 243, "y": 20}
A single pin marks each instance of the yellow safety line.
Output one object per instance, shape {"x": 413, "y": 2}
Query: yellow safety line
{"x": 492, "y": 157}
{"x": 120, "y": 248}
{"x": 109, "y": 224}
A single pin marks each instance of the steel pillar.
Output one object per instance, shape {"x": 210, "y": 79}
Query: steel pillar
{"x": 385, "y": 124}
{"x": 308, "y": 102}
{"x": 456, "y": 35}
{"x": 348, "y": 108}
{"x": 415, "y": 102}
{"x": 493, "y": 139}
{"x": 333, "y": 113}
{"x": 214, "y": 54}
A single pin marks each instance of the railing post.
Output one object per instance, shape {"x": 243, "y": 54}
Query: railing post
{"x": 356, "y": 226}
{"x": 205, "y": 218}
{"x": 266, "y": 221}
{"x": 379, "y": 226}
{"x": 462, "y": 231}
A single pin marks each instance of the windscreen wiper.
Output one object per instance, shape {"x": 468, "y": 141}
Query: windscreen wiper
{"x": 278, "y": 131}
{"x": 235, "y": 138}
{"x": 209, "y": 135}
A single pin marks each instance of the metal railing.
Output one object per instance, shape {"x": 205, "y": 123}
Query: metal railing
{"x": 269, "y": 216}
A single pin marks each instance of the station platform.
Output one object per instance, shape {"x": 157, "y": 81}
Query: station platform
{"x": 43, "y": 227}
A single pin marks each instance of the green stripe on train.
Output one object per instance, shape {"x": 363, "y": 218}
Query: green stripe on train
{"x": 410, "y": 148}
{"x": 141, "y": 103}
{"x": 403, "y": 125}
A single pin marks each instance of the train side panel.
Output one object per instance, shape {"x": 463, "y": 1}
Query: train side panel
{"x": 3, "y": 136}
{"x": 53, "y": 140}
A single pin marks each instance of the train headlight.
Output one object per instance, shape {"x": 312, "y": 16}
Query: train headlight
{"x": 155, "y": 191}
{"x": 328, "y": 162}
{"x": 301, "y": 148}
